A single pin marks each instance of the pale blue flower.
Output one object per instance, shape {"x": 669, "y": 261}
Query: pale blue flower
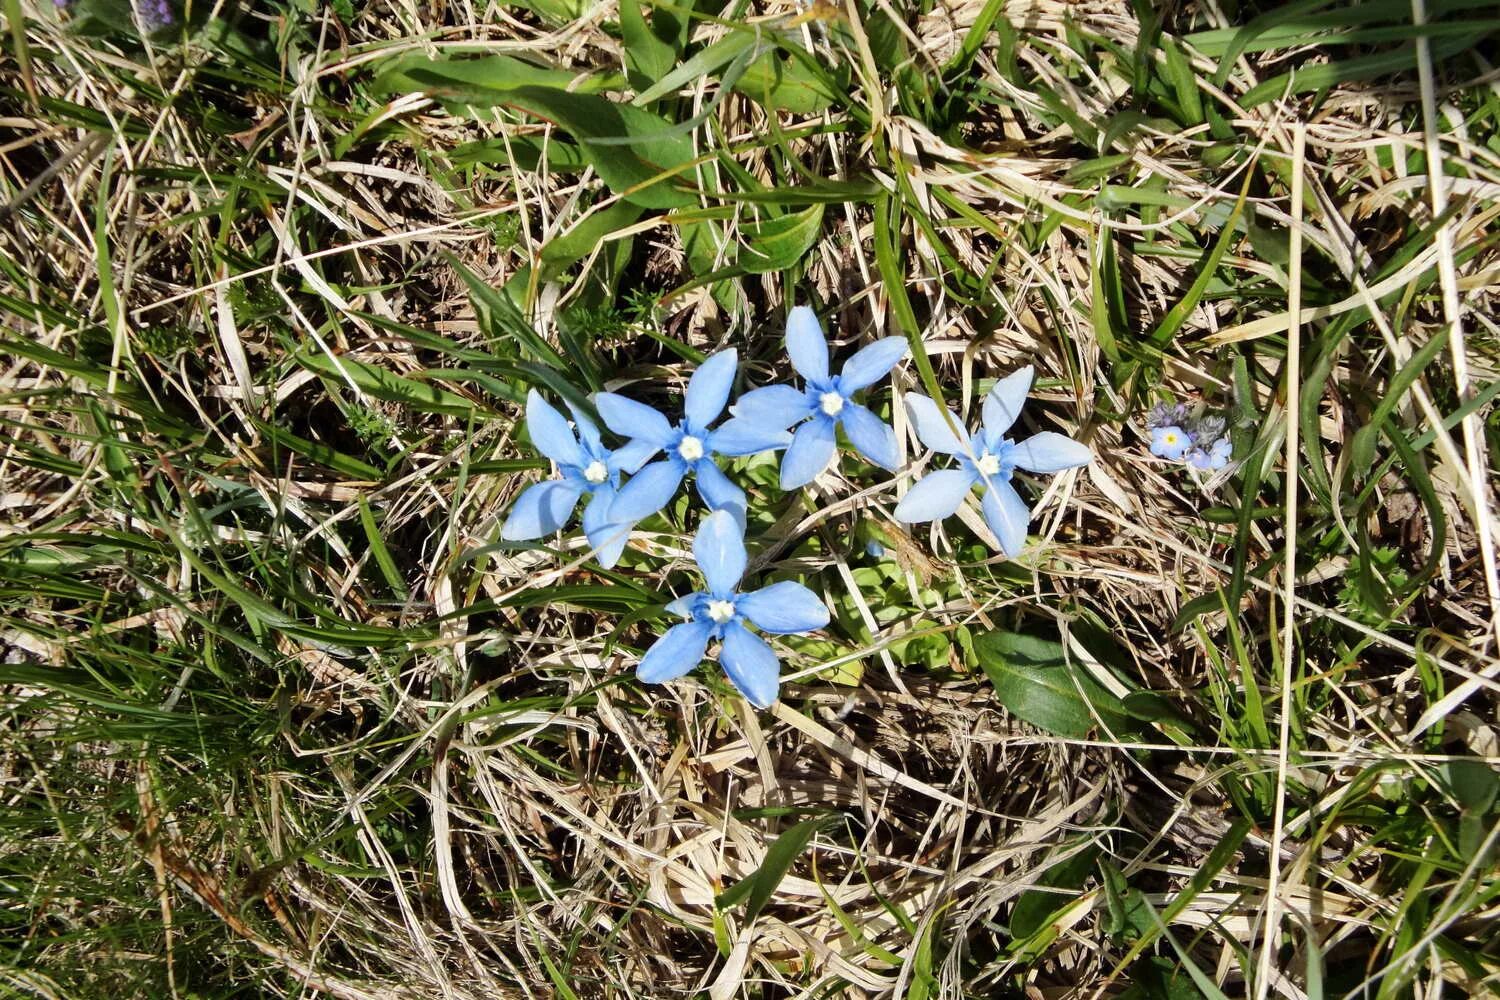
{"x": 720, "y": 612}
{"x": 584, "y": 466}
{"x": 827, "y": 399}
{"x": 1170, "y": 442}
{"x": 1214, "y": 458}
{"x": 689, "y": 445}
{"x": 989, "y": 458}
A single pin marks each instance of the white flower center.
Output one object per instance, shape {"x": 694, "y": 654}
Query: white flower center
{"x": 596, "y": 472}
{"x": 721, "y": 611}
{"x": 831, "y": 403}
{"x": 988, "y": 465}
{"x": 690, "y": 448}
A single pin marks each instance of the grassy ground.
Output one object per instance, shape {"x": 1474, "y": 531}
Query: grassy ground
{"x": 282, "y": 717}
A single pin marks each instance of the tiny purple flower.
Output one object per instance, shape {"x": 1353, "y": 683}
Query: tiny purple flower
{"x": 155, "y": 15}
{"x": 1214, "y": 458}
{"x": 988, "y": 458}
{"x": 720, "y": 613}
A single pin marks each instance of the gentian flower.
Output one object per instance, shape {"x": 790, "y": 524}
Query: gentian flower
{"x": 988, "y": 458}
{"x": 720, "y": 612}
{"x": 585, "y": 466}
{"x": 826, "y": 399}
{"x": 690, "y": 445}
{"x": 1170, "y": 442}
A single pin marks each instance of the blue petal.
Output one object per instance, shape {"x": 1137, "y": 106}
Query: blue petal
{"x": 1050, "y": 452}
{"x": 684, "y": 605}
{"x": 606, "y": 535}
{"x": 932, "y": 424}
{"x": 1003, "y": 405}
{"x": 783, "y": 608}
{"x": 870, "y": 363}
{"x": 806, "y": 345}
{"x": 746, "y": 436}
{"x": 648, "y": 490}
{"x": 550, "y": 432}
{"x": 630, "y": 419}
{"x": 708, "y": 389}
{"x": 751, "y": 665}
{"x": 719, "y": 548}
{"x": 541, "y": 510}
{"x": 810, "y": 452}
{"x": 675, "y": 653}
{"x": 1007, "y": 515}
{"x": 778, "y": 406}
{"x": 588, "y": 432}
{"x": 870, "y": 436}
{"x": 935, "y": 496}
{"x": 630, "y": 456}
{"x": 719, "y": 493}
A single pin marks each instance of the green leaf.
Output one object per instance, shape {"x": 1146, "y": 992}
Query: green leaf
{"x": 782, "y": 82}
{"x": 756, "y": 889}
{"x": 476, "y": 81}
{"x": 585, "y": 235}
{"x": 636, "y": 153}
{"x": 388, "y": 386}
{"x": 1036, "y": 906}
{"x": 779, "y": 243}
{"x": 1473, "y": 783}
{"x": 649, "y": 49}
{"x": 702, "y": 64}
{"x": 321, "y": 453}
{"x": 1035, "y": 681}
{"x": 383, "y": 558}
{"x": 633, "y": 151}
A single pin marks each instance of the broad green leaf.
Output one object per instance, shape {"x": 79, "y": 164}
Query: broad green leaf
{"x": 1035, "y": 906}
{"x": 476, "y": 80}
{"x": 757, "y": 888}
{"x": 633, "y": 151}
{"x": 780, "y": 242}
{"x": 649, "y": 49}
{"x": 781, "y": 82}
{"x": 643, "y": 162}
{"x": 580, "y": 240}
{"x": 1035, "y": 681}
{"x": 388, "y": 385}
{"x": 702, "y": 64}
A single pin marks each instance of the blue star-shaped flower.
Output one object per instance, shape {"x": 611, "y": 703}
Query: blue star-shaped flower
{"x": 584, "y": 466}
{"x": 826, "y": 399}
{"x": 720, "y": 612}
{"x": 690, "y": 446}
{"x": 988, "y": 458}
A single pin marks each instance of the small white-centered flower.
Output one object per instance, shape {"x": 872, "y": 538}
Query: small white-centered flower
{"x": 721, "y": 611}
{"x": 987, "y": 459}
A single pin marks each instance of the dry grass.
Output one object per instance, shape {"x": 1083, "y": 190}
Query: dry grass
{"x": 218, "y": 782}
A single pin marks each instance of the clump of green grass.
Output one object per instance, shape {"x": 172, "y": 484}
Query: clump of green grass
{"x": 281, "y": 715}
